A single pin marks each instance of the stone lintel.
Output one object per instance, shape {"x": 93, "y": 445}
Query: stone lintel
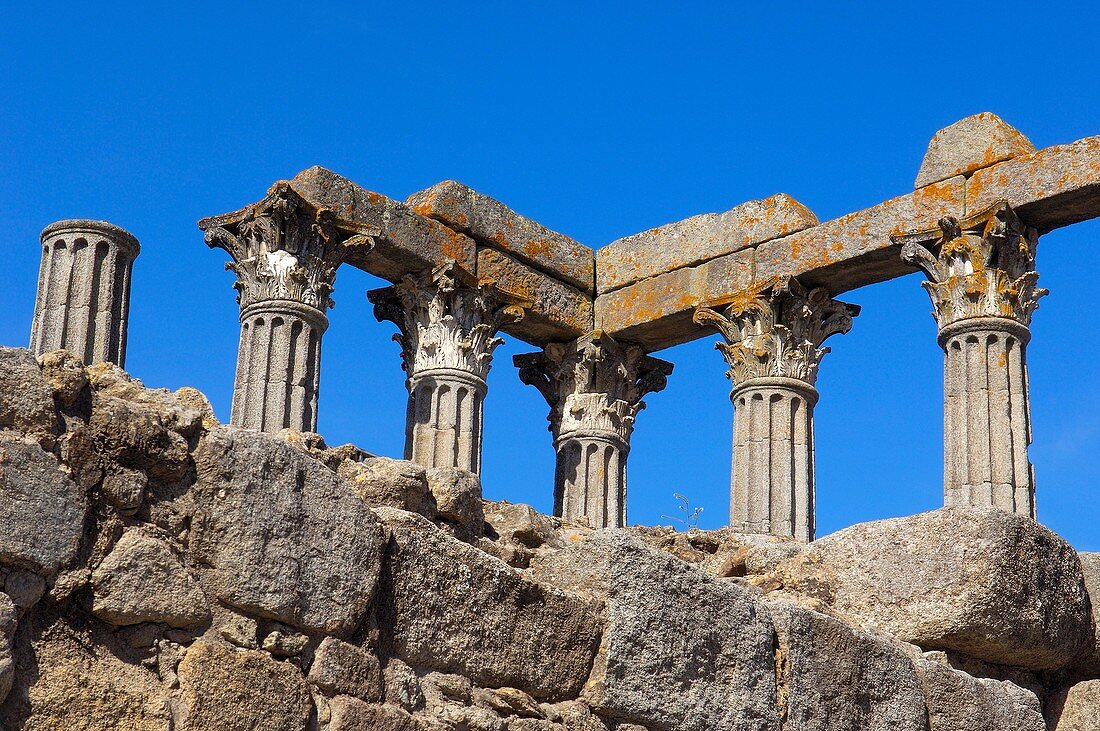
{"x": 856, "y": 249}
{"x": 1057, "y": 186}
{"x": 557, "y": 311}
{"x": 406, "y": 244}
{"x": 493, "y": 224}
{"x": 698, "y": 239}
{"x": 973, "y": 143}
{"x": 656, "y": 312}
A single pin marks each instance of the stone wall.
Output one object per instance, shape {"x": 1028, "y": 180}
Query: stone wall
{"x": 163, "y": 571}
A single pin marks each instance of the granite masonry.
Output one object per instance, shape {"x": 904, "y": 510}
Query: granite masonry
{"x": 160, "y": 570}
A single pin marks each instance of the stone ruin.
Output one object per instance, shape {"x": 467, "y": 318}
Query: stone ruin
{"x": 163, "y": 571}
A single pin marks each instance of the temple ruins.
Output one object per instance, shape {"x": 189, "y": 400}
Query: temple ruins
{"x": 764, "y": 276}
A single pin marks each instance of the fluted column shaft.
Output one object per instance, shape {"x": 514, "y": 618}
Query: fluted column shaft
{"x": 278, "y": 367}
{"x": 772, "y": 486}
{"x": 987, "y": 425}
{"x": 285, "y": 253}
{"x": 447, "y": 324}
{"x": 443, "y": 427}
{"x": 83, "y": 297}
{"x": 594, "y": 387}
{"x": 982, "y": 286}
{"x": 772, "y": 336}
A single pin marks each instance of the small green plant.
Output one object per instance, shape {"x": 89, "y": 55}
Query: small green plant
{"x": 690, "y": 519}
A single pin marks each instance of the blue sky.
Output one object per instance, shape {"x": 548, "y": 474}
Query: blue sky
{"x": 599, "y": 120}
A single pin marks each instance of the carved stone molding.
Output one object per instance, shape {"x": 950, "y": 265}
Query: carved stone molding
{"x": 285, "y": 248}
{"x": 775, "y": 329}
{"x": 593, "y": 385}
{"x": 979, "y": 266}
{"x": 446, "y": 320}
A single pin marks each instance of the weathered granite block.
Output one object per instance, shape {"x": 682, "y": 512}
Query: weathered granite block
{"x": 1090, "y": 566}
{"x": 42, "y": 511}
{"x": 1057, "y": 186}
{"x": 558, "y": 311}
{"x": 1076, "y": 708}
{"x": 681, "y": 649}
{"x": 698, "y": 239}
{"x": 224, "y": 690}
{"x": 976, "y": 142}
{"x": 141, "y": 580}
{"x": 273, "y": 525}
{"x": 994, "y": 585}
{"x": 656, "y": 313}
{"x": 836, "y": 677}
{"x": 448, "y": 606}
{"x": 491, "y": 223}
{"x": 855, "y": 250}
{"x": 958, "y": 701}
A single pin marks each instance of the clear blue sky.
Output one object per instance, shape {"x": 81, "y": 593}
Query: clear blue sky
{"x": 597, "y": 120}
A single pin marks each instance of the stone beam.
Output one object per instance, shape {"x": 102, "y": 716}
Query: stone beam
{"x": 495, "y": 225}
{"x": 986, "y": 161}
{"x": 557, "y": 311}
{"x": 406, "y": 244}
{"x": 698, "y": 239}
{"x": 1055, "y": 187}
{"x": 656, "y": 312}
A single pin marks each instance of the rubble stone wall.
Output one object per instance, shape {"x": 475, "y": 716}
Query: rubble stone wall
{"x": 160, "y": 570}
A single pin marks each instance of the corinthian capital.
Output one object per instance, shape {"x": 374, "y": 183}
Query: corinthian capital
{"x": 446, "y": 319}
{"x": 593, "y": 384}
{"x": 776, "y": 328}
{"x": 285, "y": 248}
{"x": 979, "y": 266}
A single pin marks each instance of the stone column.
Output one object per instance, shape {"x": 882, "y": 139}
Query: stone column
{"x": 285, "y": 254}
{"x": 84, "y": 290}
{"x": 594, "y": 387}
{"x": 448, "y": 324}
{"x": 772, "y": 342}
{"x": 982, "y": 285}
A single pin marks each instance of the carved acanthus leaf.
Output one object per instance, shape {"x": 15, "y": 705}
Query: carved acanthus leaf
{"x": 446, "y": 320}
{"x": 594, "y": 384}
{"x": 980, "y": 266}
{"x": 285, "y": 248}
{"x": 776, "y": 328}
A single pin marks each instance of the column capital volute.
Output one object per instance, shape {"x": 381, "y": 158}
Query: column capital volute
{"x": 978, "y": 266}
{"x": 447, "y": 319}
{"x": 775, "y": 328}
{"x": 285, "y": 247}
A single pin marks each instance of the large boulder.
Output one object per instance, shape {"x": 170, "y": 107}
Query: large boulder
{"x": 42, "y": 511}
{"x": 1090, "y": 566}
{"x": 834, "y": 677}
{"x": 26, "y": 400}
{"x": 448, "y": 606}
{"x": 958, "y": 701}
{"x": 341, "y": 668}
{"x": 9, "y": 616}
{"x": 1076, "y": 708}
{"x": 681, "y": 649}
{"x": 141, "y": 580}
{"x": 284, "y": 537}
{"x": 391, "y": 483}
{"x": 68, "y": 677}
{"x": 985, "y": 583}
{"x": 227, "y": 690}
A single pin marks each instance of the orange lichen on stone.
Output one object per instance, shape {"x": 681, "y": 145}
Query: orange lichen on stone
{"x": 698, "y": 239}
{"x": 970, "y": 144}
{"x": 491, "y": 223}
{"x": 840, "y": 243}
{"x": 1057, "y": 186}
